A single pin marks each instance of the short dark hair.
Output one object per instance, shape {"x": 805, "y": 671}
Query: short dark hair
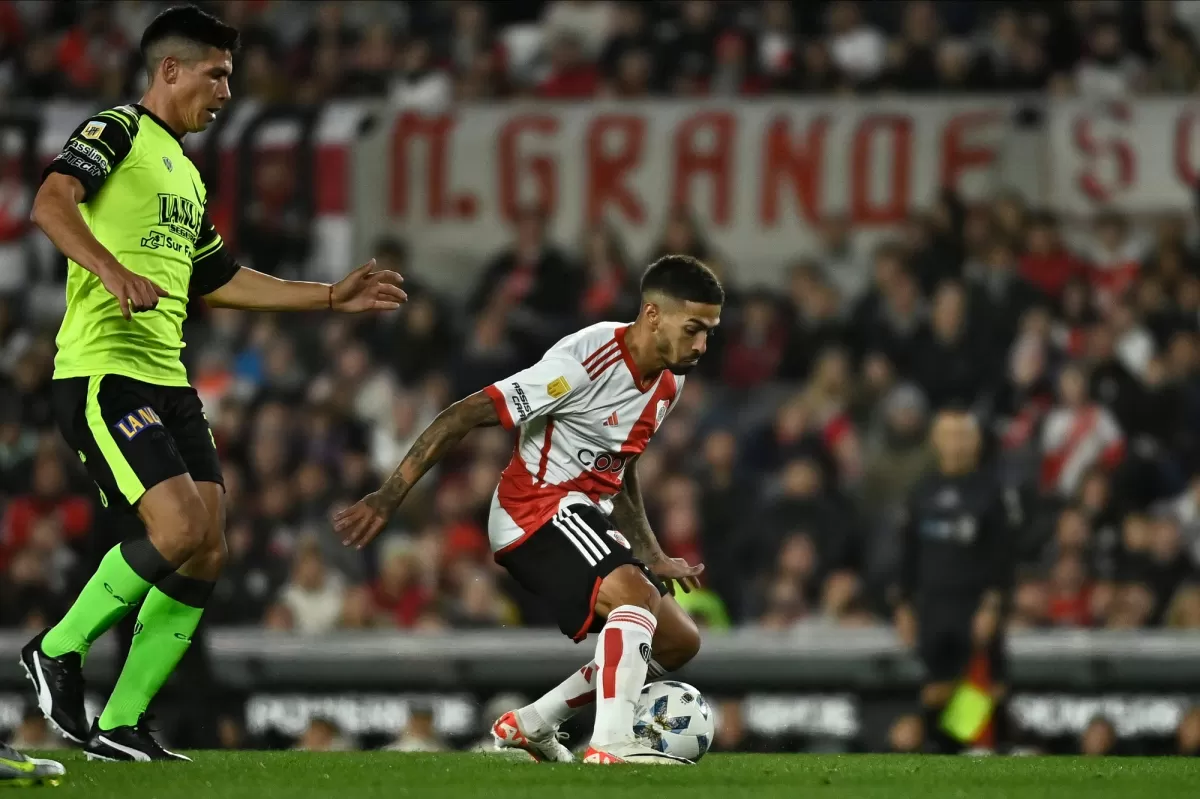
{"x": 683, "y": 277}
{"x": 191, "y": 24}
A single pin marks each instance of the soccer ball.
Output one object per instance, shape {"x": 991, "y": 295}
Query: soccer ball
{"x": 674, "y": 718}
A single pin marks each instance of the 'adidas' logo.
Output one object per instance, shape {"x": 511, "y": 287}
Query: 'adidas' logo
{"x": 611, "y": 421}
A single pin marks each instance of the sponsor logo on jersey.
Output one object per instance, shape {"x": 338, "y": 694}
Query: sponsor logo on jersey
{"x": 519, "y": 401}
{"x": 180, "y": 215}
{"x": 644, "y": 651}
{"x": 134, "y": 423}
{"x": 167, "y": 163}
{"x": 557, "y": 387}
{"x": 89, "y": 152}
{"x": 92, "y": 130}
{"x": 602, "y": 461}
{"x": 611, "y": 421}
{"x": 620, "y": 539}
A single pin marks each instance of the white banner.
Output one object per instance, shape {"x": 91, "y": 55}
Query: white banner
{"x": 759, "y": 176}
{"x": 1139, "y": 157}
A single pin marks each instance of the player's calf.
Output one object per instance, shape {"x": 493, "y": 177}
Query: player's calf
{"x": 676, "y": 641}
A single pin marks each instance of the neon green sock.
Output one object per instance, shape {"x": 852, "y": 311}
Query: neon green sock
{"x": 109, "y": 595}
{"x": 163, "y": 633}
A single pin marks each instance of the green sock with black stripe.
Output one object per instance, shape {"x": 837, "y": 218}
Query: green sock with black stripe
{"x": 165, "y": 625}
{"x": 125, "y": 576}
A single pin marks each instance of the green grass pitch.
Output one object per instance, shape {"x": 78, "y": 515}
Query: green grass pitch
{"x": 367, "y": 775}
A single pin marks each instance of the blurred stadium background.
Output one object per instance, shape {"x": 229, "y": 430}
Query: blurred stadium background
{"x": 912, "y": 204}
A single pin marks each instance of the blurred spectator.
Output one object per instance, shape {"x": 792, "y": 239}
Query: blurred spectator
{"x": 1099, "y": 738}
{"x": 419, "y": 735}
{"x": 34, "y": 734}
{"x": 533, "y": 284}
{"x": 1078, "y": 434}
{"x": 1188, "y": 735}
{"x": 1108, "y": 70}
{"x": 323, "y": 735}
{"x": 859, "y": 50}
{"x": 907, "y": 735}
{"x": 314, "y": 594}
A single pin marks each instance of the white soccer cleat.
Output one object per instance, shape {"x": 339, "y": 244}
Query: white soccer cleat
{"x": 509, "y": 734}
{"x": 631, "y": 753}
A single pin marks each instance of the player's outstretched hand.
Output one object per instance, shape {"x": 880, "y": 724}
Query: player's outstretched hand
{"x": 134, "y": 293}
{"x": 364, "y": 289}
{"x": 361, "y": 522}
{"x": 677, "y": 570}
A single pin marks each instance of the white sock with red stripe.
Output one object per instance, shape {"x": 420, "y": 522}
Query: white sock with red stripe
{"x": 560, "y": 703}
{"x": 567, "y": 698}
{"x": 622, "y": 654}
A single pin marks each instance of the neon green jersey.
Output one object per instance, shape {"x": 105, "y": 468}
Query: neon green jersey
{"x": 145, "y": 202}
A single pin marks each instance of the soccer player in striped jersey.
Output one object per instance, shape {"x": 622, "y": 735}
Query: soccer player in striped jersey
{"x": 567, "y": 519}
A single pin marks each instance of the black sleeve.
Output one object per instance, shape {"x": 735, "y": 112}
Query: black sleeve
{"x": 96, "y": 147}
{"x": 212, "y": 264}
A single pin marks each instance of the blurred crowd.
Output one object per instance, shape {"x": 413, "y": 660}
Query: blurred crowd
{"x": 430, "y": 52}
{"x": 787, "y": 462}
{"x": 784, "y": 467}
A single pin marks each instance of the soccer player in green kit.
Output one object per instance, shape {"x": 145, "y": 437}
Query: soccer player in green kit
{"x": 127, "y": 207}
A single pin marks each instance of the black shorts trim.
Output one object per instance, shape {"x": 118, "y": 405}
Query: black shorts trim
{"x": 564, "y": 562}
{"x": 132, "y": 435}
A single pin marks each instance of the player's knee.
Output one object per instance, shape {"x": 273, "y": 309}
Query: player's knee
{"x": 210, "y": 559}
{"x": 626, "y": 585}
{"x": 178, "y": 529}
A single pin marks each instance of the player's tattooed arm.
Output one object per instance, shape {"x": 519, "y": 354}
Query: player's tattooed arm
{"x": 630, "y": 515}
{"x": 364, "y": 520}
{"x": 629, "y": 512}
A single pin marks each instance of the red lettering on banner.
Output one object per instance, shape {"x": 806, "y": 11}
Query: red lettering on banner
{"x": 542, "y": 166}
{"x": 435, "y": 132}
{"x": 715, "y": 159}
{"x": 894, "y": 208}
{"x": 607, "y": 169}
{"x": 1090, "y": 180}
{"x": 787, "y": 161}
{"x": 1185, "y": 168}
{"x": 958, "y": 155}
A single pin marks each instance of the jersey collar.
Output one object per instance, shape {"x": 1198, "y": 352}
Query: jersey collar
{"x": 642, "y": 384}
{"x": 146, "y": 112}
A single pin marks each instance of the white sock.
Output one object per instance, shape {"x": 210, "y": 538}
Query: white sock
{"x": 560, "y": 703}
{"x": 622, "y": 654}
{"x": 569, "y": 697}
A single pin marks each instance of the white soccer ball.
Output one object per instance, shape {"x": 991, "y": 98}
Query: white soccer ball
{"x": 673, "y": 717}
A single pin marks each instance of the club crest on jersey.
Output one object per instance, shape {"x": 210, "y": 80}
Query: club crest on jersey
{"x": 167, "y": 163}
{"x": 660, "y": 412}
{"x": 136, "y": 422}
{"x": 620, "y": 539}
{"x": 92, "y": 130}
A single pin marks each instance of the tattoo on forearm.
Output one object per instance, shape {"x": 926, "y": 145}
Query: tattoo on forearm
{"x": 630, "y": 515}
{"x": 432, "y": 445}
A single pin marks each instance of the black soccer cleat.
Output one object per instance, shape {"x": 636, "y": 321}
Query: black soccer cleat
{"x": 131, "y": 743}
{"x": 59, "y": 685}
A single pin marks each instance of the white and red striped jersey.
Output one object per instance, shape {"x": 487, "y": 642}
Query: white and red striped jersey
{"x": 1076, "y": 439}
{"x": 582, "y": 411}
